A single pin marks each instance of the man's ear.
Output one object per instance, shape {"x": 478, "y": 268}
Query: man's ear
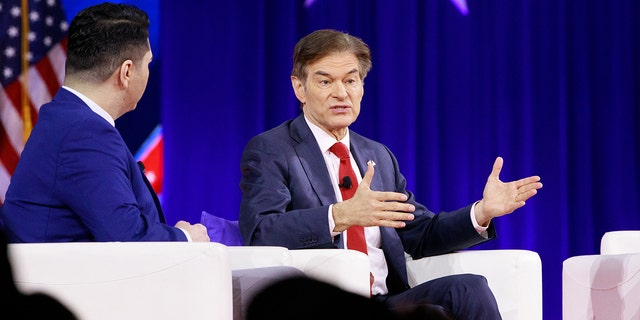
{"x": 125, "y": 73}
{"x": 298, "y": 89}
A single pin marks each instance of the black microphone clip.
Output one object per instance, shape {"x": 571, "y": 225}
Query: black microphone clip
{"x": 346, "y": 183}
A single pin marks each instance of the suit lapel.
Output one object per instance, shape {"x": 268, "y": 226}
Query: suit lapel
{"x": 312, "y": 161}
{"x": 362, "y": 156}
{"x": 389, "y": 236}
{"x": 156, "y": 200}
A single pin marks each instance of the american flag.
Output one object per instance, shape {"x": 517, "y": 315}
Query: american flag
{"x": 33, "y": 43}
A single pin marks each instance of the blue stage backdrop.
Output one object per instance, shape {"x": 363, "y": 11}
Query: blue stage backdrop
{"x": 553, "y": 86}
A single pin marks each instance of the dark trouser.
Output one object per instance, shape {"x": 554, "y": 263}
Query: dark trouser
{"x": 464, "y": 296}
{"x": 307, "y": 299}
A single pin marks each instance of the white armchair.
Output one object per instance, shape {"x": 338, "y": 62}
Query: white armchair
{"x": 605, "y": 286}
{"x": 514, "y": 276}
{"x": 128, "y": 280}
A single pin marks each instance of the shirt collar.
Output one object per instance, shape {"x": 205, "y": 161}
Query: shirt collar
{"x": 325, "y": 141}
{"x": 92, "y": 105}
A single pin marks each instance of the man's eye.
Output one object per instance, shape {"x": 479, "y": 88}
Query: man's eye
{"x": 324, "y": 83}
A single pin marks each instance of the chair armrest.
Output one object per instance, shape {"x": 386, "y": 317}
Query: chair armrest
{"x": 128, "y": 280}
{"x": 514, "y": 276}
{"x": 249, "y": 257}
{"x": 601, "y": 287}
{"x": 619, "y": 242}
{"x": 346, "y": 269}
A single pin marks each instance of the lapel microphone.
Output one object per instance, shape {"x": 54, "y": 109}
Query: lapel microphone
{"x": 346, "y": 183}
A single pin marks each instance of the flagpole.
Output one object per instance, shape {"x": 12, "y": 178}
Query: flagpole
{"x": 26, "y": 105}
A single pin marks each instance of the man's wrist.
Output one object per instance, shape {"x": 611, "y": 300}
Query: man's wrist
{"x": 476, "y": 216}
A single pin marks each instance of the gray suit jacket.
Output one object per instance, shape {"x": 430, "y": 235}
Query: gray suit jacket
{"x": 286, "y": 192}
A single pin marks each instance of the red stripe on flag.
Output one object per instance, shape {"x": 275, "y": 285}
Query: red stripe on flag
{"x": 8, "y": 154}
{"x": 13, "y": 93}
{"x": 34, "y": 114}
{"x": 48, "y": 75}
{"x": 63, "y": 43}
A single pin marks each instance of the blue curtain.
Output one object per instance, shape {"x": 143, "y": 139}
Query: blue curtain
{"x": 552, "y": 86}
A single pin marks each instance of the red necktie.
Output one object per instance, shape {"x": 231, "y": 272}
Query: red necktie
{"x": 348, "y": 185}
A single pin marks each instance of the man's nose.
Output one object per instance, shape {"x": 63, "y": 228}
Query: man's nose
{"x": 339, "y": 90}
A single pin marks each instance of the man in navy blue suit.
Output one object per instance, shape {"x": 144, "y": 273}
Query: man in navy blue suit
{"x": 76, "y": 179}
{"x": 292, "y": 188}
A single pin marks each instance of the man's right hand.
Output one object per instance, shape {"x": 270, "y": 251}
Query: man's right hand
{"x": 372, "y": 208}
{"x": 197, "y": 231}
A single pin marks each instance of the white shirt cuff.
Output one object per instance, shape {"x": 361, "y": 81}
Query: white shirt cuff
{"x": 186, "y": 234}
{"x": 481, "y": 230}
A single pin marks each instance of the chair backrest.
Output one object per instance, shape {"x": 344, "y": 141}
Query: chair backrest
{"x": 619, "y": 242}
{"x": 601, "y": 287}
{"x": 128, "y": 280}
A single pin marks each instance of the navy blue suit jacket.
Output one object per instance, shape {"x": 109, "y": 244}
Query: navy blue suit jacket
{"x": 286, "y": 192}
{"x": 77, "y": 181}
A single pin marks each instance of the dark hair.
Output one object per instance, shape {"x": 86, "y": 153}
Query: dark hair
{"x": 103, "y": 36}
{"x": 321, "y": 43}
